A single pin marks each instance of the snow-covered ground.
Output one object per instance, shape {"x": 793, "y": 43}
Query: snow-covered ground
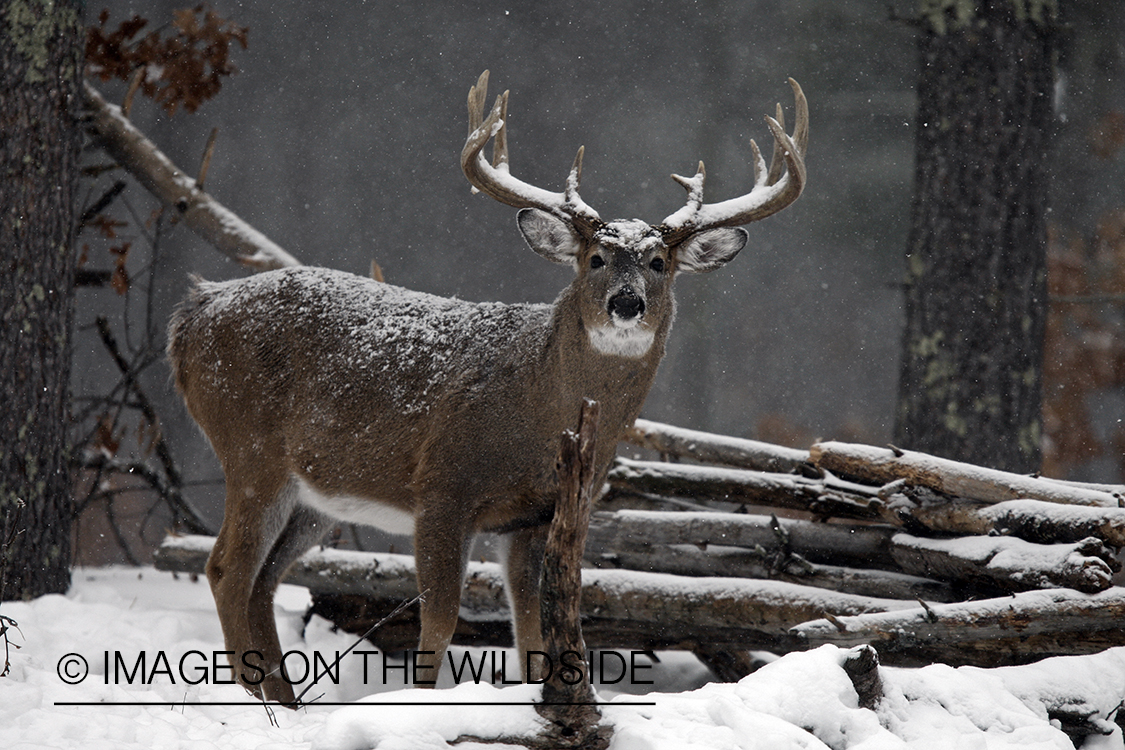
{"x": 802, "y": 700}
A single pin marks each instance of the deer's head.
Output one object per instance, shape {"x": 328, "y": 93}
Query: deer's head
{"x": 625, "y": 267}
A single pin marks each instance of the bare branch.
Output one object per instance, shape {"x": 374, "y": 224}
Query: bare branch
{"x": 168, "y": 488}
{"x": 204, "y": 215}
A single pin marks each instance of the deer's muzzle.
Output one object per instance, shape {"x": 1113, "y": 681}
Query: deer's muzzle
{"x": 626, "y": 304}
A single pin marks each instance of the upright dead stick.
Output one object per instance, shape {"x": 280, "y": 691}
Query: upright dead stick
{"x": 568, "y": 699}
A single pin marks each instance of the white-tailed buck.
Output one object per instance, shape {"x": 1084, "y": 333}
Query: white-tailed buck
{"x": 328, "y": 396}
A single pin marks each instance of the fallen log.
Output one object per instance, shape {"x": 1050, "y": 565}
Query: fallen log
{"x": 1012, "y": 629}
{"x": 873, "y": 560}
{"x": 745, "y": 487}
{"x": 709, "y": 448}
{"x": 915, "y": 507}
{"x": 882, "y": 466}
{"x": 620, "y": 608}
{"x": 1008, "y": 563}
{"x": 836, "y": 544}
{"x": 754, "y": 546}
{"x": 375, "y": 575}
{"x": 716, "y": 560}
{"x": 728, "y": 666}
{"x": 1031, "y": 520}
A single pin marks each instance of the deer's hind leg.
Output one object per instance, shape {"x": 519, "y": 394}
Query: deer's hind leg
{"x": 257, "y": 543}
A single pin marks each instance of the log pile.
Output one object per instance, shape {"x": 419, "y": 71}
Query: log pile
{"x": 1001, "y": 568}
{"x": 760, "y": 547}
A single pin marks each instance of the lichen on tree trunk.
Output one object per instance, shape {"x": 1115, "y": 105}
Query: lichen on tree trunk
{"x": 976, "y": 304}
{"x": 40, "y": 68}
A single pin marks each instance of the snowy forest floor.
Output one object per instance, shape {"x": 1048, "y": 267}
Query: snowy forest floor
{"x": 802, "y": 700}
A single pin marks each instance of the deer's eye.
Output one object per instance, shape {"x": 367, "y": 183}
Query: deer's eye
{"x": 596, "y": 261}
{"x": 657, "y": 264}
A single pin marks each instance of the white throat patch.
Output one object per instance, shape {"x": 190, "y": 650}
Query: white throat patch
{"x": 632, "y": 342}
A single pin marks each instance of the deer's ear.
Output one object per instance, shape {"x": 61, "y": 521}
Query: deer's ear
{"x": 549, "y": 235}
{"x": 710, "y": 249}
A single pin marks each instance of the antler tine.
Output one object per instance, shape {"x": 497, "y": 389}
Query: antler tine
{"x": 477, "y": 95}
{"x": 768, "y": 196}
{"x": 496, "y": 180}
{"x": 574, "y": 179}
{"x": 777, "y": 161}
{"x": 500, "y": 144}
{"x": 761, "y": 176}
{"x": 801, "y": 130}
{"x": 694, "y": 186}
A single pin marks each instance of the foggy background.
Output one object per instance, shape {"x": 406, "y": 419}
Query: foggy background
{"x": 340, "y": 140}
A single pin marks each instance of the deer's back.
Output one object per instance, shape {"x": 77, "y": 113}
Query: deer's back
{"x": 356, "y": 382}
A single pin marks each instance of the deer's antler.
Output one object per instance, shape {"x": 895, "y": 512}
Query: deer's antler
{"x": 496, "y": 180}
{"x": 771, "y": 191}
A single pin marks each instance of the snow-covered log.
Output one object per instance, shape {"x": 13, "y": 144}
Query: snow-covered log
{"x": 1007, "y": 562}
{"x": 837, "y": 557}
{"x": 882, "y": 466}
{"x": 1005, "y": 630}
{"x": 204, "y": 215}
{"x": 620, "y": 608}
{"x": 837, "y": 544}
{"x": 1033, "y": 520}
{"x": 874, "y": 560}
{"x": 745, "y": 486}
{"x": 377, "y": 575}
{"x": 707, "y": 447}
{"x": 717, "y": 560}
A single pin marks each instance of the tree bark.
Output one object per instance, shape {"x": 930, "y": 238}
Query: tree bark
{"x": 976, "y": 300}
{"x": 848, "y": 558}
{"x": 776, "y": 565}
{"x": 831, "y": 544}
{"x": 40, "y": 69}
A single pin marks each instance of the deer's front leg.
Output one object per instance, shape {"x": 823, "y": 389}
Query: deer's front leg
{"x": 523, "y": 570}
{"x": 441, "y": 548}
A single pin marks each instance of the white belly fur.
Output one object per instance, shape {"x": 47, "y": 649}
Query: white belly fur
{"x": 357, "y": 510}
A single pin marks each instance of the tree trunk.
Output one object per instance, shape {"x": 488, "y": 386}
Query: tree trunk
{"x": 40, "y": 67}
{"x": 976, "y": 260}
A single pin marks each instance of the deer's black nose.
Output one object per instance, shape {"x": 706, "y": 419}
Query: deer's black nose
{"x": 626, "y": 304}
